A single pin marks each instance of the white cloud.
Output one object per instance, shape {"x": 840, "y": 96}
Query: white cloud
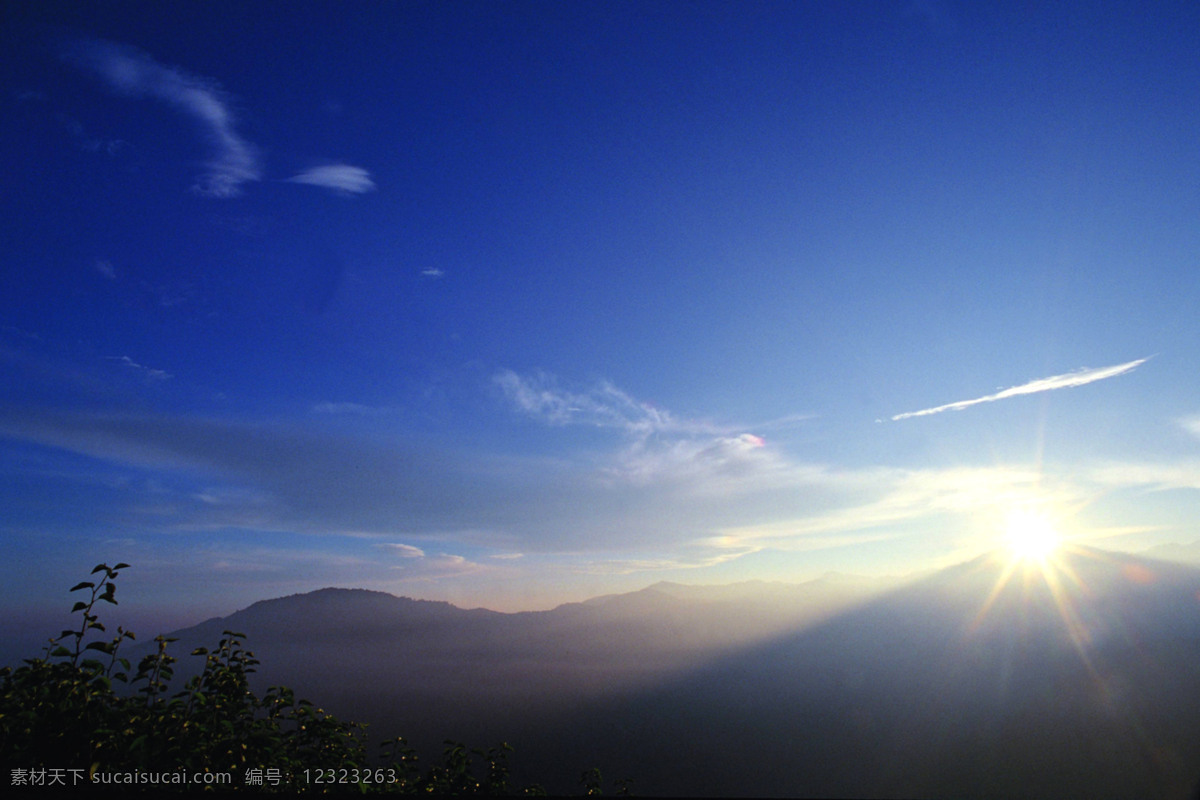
{"x": 404, "y": 550}
{"x": 1066, "y": 381}
{"x": 433, "y": 272}
{"x": 135, "y": 73}
{"x": 341, "y": 178}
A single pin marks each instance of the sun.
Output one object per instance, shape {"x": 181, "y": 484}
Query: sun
{"x": 1030, "y": 535}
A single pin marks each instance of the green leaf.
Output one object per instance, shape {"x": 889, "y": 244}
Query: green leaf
{"x": 121, "y": 565}
{"x": 79, "y": 606}
{"x": 99, "y": 567}
{"x": 83, "y": 585}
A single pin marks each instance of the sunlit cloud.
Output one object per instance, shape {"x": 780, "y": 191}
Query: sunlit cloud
{"x": 341, "y": 178}
{"x": 1066, "y": 381}
{"x": 897, "y": 498}
{"x": 134, "y": 73}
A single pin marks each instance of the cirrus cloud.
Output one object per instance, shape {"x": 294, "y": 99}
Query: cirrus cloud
{"x": 131, "y": 72}
{"x": 341, "y": 178}
{"x": 1068, "y": 380}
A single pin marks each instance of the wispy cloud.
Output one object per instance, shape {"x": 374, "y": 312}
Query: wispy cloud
{"x": 341, "y": 178}
{"x": 147, "y": 373}
{"x": 1068, "y": 380}
{"x": 90, "y": 143}
{"x": 672, "y": 500}
{"x": 417, "y": 565}
{"x": 660, "y": 451}
{"x": 433, "y": 272}
{"x": 134, "y": 73}
{"x": 1150, "y": 475}
{"x": 105, "y": 268}
{"x": 403, "y": 550}
{"x": 602, "y": 405}
{"x": 348, "y": 408}
{"x": 713, "y": 465}
{"x": 708, "y": 551}
{"x": 894, "y": 497}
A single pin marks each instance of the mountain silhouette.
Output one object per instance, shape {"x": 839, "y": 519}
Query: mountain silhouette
{"x": 988, "y": 679}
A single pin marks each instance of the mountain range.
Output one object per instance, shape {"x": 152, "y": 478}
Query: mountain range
{"x": 1076, "y": 677}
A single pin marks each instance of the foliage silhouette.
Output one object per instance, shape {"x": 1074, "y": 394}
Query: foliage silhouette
{"x": 62, "y": 711}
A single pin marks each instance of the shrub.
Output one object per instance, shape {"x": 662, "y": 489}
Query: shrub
{"x": 62, "y": 712}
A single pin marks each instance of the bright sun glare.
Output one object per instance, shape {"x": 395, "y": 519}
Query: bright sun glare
{"x": 1030, "y": 535}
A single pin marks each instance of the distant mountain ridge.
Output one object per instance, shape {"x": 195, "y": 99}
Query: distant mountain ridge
{"x": 1080, "y": 682}
{"x": 332, "y": 611}
{"x": 959, "y": 685}
{"x": 1188, "y": 553}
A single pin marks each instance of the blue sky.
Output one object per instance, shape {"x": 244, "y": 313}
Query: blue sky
{"x": 516, "y": 303}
